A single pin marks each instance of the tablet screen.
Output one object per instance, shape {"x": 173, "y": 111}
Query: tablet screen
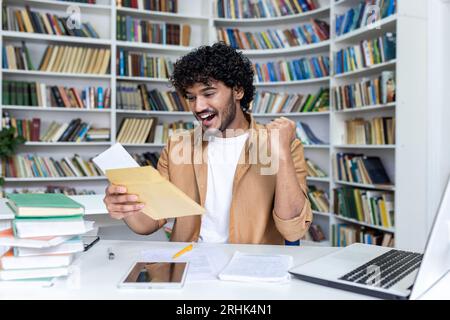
{"x": 156, "y": 272}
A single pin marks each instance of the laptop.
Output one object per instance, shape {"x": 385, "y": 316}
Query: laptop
{"x": 382, "y": 272}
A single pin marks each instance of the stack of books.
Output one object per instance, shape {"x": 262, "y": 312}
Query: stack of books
{"x": 131, "y": 96}
{"x": 17, "y": 58}
{"x": 33, "y": 94}
{"x": 372, "y": 207}
{"x": 27, "y": 128}
{"x": 137, "y": 30}
{"x": 344, "y": 235}
{"x": 43, "y": 239}
{"x": 34, "y": 166}
{"x": 306, "y": 135}
{"x": 319, "y": 200}
{"x": 380, "y": 90}
{"x": 71, "y": 59}
{"x": 276, "y": 102}
{"x": 357, "y": 168}
{"x": 74, "y": 131}
{"x": 366, "y": 54}
{"x": 363, "y": 15}
{"x": 309, "y": 33}
{"x": 314, "y": 170}
{"x": 293, "y": 70}
{"x": 151, "y": 5}
{"x": 379, "y": 130}
{"x": 139, "y": 64}
{"x": 26, "y": 20}
{"x": 246, "y": 9}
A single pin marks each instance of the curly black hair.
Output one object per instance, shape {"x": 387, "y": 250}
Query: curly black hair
{"x": 217, "y": 62}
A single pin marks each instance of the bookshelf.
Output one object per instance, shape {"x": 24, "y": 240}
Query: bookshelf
{"x": 329, "y": 126}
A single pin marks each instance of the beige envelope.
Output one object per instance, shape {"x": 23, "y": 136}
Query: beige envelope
{"x": 161, "y": 198}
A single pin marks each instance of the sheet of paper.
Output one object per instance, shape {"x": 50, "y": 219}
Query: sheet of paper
{"x": 204, "y": 264}
{"x": 115, "y": 157}
{"x": 258, "y": 268}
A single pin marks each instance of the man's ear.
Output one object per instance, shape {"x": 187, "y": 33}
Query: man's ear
{"x": 238, "y": 93}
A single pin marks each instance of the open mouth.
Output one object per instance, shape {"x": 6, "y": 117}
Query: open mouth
{"x": 207, "y": 118}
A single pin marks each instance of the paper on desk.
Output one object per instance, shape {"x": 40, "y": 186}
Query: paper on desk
{"x": 161, "y": 198}
{"x": 257, "y": 268}
{"x": 204, "y": 264}
{"x": 115, "y": 157}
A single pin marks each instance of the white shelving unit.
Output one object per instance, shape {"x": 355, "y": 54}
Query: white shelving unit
{"x": 399, "y": 159}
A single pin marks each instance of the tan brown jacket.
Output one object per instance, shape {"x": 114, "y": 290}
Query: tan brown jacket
{"x": 252, "y": 216}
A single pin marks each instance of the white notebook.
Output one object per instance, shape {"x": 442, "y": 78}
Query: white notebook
{"x": 257, "y": 268}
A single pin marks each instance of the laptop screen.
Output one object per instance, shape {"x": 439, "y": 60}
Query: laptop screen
{"x": 436, "y": 259}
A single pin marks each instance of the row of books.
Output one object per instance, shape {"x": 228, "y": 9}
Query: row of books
{"x": 308, "y": 33}
{"x": 306, "y": 135}
{"x": 319, "y": 199}
{"x": 147, "y": 130}
{"x": 131, "y": 96}
{"x": 147, "y": 159}
{"x": 44, "y": 242}
{"x": 371, "y": 207}
{"x": 139, "y": 64}
{"x": 34, "y": 166}
{"x": 74, "y": 131}
{"x": 248, "y": 9}
{"x": 25, "y": 20}
{"x": 275, "y": 102}
{"x": 72, "y": 59}
{"x": 37, "y": 94}
{"x": 367, "y": 12}
{"x": 151, "y": 5}
{"x": 29, "y": 129}
{"x": 358, "y": 168}
{"x": 344, "y": 235}
{"x": 68, "y": 59}
{"x": 366, "y": 54}
{"x": 380, "y": 90}
{"x": 68, "y": 191}
{"x": 137, "y": 30}
{"x": 314, "y": 170}
{"x": 379, "y": 130}
{"x": 293, "y": 70}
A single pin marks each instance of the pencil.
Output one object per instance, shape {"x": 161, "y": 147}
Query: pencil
{"x": 182, "y": 251}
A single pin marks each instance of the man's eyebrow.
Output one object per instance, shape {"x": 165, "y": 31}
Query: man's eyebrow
{"x": 202, "y": 90}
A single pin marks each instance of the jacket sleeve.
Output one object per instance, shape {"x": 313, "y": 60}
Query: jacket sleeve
{"x": 163, "y": 168}
{"x": 294, "y": 229}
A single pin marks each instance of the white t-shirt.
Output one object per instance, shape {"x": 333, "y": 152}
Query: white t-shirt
{"x": 223, "y": 156}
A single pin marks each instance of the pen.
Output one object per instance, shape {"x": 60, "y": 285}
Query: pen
{"x": 88, "y": 246}
{"x": 182, "y": 251}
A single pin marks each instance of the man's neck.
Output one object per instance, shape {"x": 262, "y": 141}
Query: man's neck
{"x": 238, "y": 127}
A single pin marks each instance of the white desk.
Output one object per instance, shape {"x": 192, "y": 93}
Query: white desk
{"x": 99, "y": 277}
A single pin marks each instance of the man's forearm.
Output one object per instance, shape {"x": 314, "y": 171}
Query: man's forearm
{"x": 142, "y": 224}
{"x": 289, "y": 197}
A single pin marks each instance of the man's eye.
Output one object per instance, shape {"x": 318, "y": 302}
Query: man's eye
{"x": 190, "y": 98}
{"x": 208, "y": 94}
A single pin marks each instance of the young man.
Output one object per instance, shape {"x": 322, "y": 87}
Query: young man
{"x": 251, "y": 179}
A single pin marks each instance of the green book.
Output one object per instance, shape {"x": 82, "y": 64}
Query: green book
{"x": 6, "y": 96}
{"x": 44, "y": 205}
{"x": 33, "y": 89}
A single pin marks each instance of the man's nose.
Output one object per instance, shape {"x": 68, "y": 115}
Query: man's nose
{"x": 200, "y": 104}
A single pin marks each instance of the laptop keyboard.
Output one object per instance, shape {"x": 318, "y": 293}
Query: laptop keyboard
{"x": 385, "y": 270}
